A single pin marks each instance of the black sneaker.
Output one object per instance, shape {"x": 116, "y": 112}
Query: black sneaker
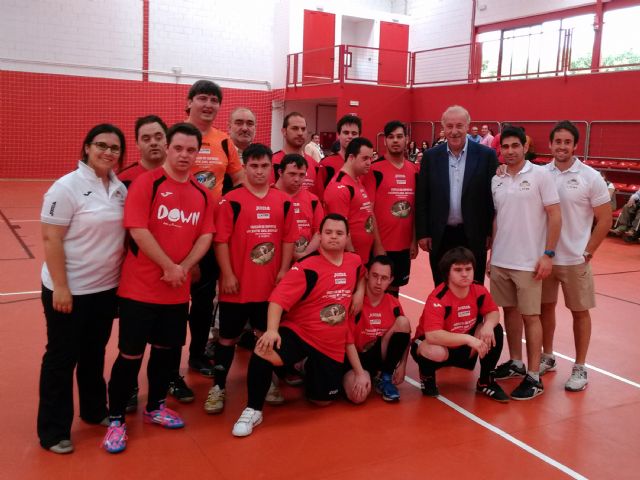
{"x": 492, "y": 390}
{"x": 202, "y": 365}
{"x": 428, "y": 386}
{"x": 132, "y": 404}
{"x": 527, "y": 389}
{"x": 508, "y": 370}
{"x": 179, "y": 390}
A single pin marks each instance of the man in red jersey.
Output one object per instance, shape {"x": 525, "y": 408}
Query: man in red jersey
{"x": 309, "y": 315}
{"x": 347, "y": 196}
{"x": 254, "y": 247}
{"x": 151, "y": 140}
{"x": 217, "y": 157}
{"x": 391, "y": 185}
{"x": 460, "y": 323}
{"x": 170, "y": 220}
{"x": 349, "y": 127}
{"x": 294, "y": 131}
{"x": 379, "y": 342}
{"x": 307, "y": 211}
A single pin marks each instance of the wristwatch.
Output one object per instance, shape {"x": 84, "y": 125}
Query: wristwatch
{"x": 550, "y": 253}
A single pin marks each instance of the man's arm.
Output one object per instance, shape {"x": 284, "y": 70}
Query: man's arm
{"x": 450, "y": 339}
{"x": 357, "y": 299}
{"x": 270, "y": 337}
{"x": 287, "y": 257}
{"x": 378, "y": 248}
{"x": 172, "y": 273}
{"x": 602, "y": 215}
{"x": 362, "y": 383}
{"x": 554, "y": 224}
{"x": 228, "y": 282}
{"x": 200, "y": 247}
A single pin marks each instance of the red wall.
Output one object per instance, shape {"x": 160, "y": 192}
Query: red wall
{"x": 44, "y": 117}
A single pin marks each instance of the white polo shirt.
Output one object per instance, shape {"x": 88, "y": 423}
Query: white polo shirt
{"x": 94, "y": 243}
{"x": 521, "y": 231}
{"x": 581, "y": 189}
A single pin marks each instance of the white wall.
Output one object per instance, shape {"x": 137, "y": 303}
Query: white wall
{"x": 106, "y": 33}
{"x": 492, "y": 11}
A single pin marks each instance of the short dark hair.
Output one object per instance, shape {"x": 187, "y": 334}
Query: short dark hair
{"x": 349, "y": 119}
{"x": 149, "y": 119}
{"x": 382, "y": 260}
{"x": 97, "y": 130}
{"x": 393, "y": 125}
{"x": 338, "y": 218}
{"x": 459, "y": 255}
{"x": 293, "y": 159}
{"x": 354, "y": 146}
{"x": 285, "y": 122}
{"x": 569, "y": 127}
{"x": 204, "y": 86}
{"x": 256, "y": 151}
{"x": 512, "y": 131}
{"x": 186, "y": 129}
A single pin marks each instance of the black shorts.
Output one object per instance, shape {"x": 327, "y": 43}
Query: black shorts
{"x": 323, "y": 375}
{"x": 371, "y": 359}
{"x": 154, "y": 323}
{"x": 234, "y": 317}
{"x": 461, "y": 357}
{"x": 401, "y": 267}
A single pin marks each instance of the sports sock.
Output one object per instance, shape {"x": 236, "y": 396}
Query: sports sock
{"x": 534, "y": 375}
{"x": 258, "y": 381}
{"x": 396, "y": 347}
{"x": 223, "y": 359}
{"x": 124, "y": 378}
{"x": 159, "y": 374}
{"x": 490, "y": 360}
{"x": 518, "y": 363}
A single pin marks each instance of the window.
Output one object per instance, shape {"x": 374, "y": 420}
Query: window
{"x": 620, "y": 41}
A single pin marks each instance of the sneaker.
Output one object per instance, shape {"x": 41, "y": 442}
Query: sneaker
{"x": 215, "y": 400}
{"x": 527, "y": 389}
{"x": 428, "y": 386}
{"x": 578, "y": 380}
{"x": 165, "y": 417}
{"x": 493, "y": 391}
{"x": 386, "y": 388}
{"x": 62, "y": 447}
{"x": 508, "y": 370}
{"x": 132, "y": 404}
{"x": 244, "y": 426}
{"x": 202, "y": 365}
{"x": 547, "y": 364}
{"x": 274, "y": 396}
{"x": 115, "y": 440}
{"x": 180, "y": 391}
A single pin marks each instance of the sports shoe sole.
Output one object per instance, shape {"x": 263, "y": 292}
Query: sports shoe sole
{"x": 187, "y": 399}
{"x": 248, "y": 434}
{"x": 576, "y": 389}
{"x": 537, "y": 394}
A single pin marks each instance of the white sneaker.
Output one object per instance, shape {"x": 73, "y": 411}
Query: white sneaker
{"x": 547, "y": 364}
{"x": 274, "y": 396}
{"x": 578, "y": 380}
{"x": 244, "y": 426}
{"x": 215, "y": 400}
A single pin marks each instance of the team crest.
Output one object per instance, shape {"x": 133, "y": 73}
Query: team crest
{"x": 333, "y": 314}
{"x": 368, "y": 225}
{"x": 263, "y": 253}
{"x": 401, "y": 209}
{"x": 207, "y": 179}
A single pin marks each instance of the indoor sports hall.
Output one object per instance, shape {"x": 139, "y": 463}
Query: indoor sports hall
{"x": 68, "y": 65}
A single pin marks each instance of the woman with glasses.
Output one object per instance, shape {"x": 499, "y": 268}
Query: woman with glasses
{"x": 83, "y": 240}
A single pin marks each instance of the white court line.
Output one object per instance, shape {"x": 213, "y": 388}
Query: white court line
{"x": 8, "y": 294}
{"x": 503, "y": 434}
{"x": 22, "y": 221}
{"x": 563, "y": 356}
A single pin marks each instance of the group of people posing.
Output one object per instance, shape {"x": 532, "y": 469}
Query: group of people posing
{"x": 309, "y": 255}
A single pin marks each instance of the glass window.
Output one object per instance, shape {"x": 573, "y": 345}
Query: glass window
{"x": 620, "y": 41}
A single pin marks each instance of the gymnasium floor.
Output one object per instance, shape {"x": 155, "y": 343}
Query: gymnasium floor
{"x": 593, "y": 434}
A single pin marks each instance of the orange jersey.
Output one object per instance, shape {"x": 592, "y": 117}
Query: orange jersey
{"x": 212, "y": 162}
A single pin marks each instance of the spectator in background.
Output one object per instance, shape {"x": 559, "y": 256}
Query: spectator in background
{"x": 487, "y": 136}
{"x": 424, "y": 147}
{"x": 314, "y": 149}
{"x": 628, "y": 223}
{"x": 83, "y": 240}
{"x": 612, "y": 191}
{"x": 495, "y": 143}
{"x": 294, "y": 132}
{"x": 242, "y": 128}
{"x": 412, "y": 152}
{"x": 441, "y": 139}
{"x": 474, "y": 136}
{"x": 530, "y": 155}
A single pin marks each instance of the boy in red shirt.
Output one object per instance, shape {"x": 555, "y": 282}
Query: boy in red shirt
{"x": 460, "y": 323}
{"x": 379, "y": 341}
{"x": 346, "y": 196}
{"x": 307, "y": 211}
{"x": 255, "y": 233}
{"x": 309, "y": 315}
{"x": 169, "y": 216}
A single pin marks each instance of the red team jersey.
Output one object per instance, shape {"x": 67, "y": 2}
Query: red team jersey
{"x": 308, "y": 213}
{"x": 176, "y": 214}
{"x": 255, "y": 229}
{"x": 130, "y": 173}
{"x": 444, "y": 311}
{"x": 348, "y": 197}
{"x": 393, "y": 192}
{"x": 316, "y": 296}
{"x": 327, "y": 169}
{"x": 309, "y": 179}
{"x": 373, "y": 322}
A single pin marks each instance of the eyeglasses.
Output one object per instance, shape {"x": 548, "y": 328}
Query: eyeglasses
{"x": 103, "y": 147}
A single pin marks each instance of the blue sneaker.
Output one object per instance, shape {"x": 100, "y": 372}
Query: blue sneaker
{"x": 387, "y": 389}
{"x": 115, "y": 440}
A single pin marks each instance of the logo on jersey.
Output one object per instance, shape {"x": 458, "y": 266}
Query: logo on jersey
{"x": 437, "y": 305}
{"x": 301, "y": 244}
{"x": 165, "y": 194}
{"x": 333, "y": 314}
{"x": 206, "y": 178}
{"x": 573, "y": 184}
{"x": 176, "y": 215}
{"x": 401, "y": 209}
{"x": 401, "y": 179}
{"x": 88, "y": 193}
{"x": 262, "y": 253}
{"x": 524, "y": 186}
{"x": 263, "y": 212}
{"x": 340, "y": 278}
{"x": 52, "y": 209}
{"x": 368, "y": 225}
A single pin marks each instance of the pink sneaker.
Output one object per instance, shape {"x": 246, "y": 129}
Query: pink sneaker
{"x": 115, "y": 440}
{"x": 164, "y": 417}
